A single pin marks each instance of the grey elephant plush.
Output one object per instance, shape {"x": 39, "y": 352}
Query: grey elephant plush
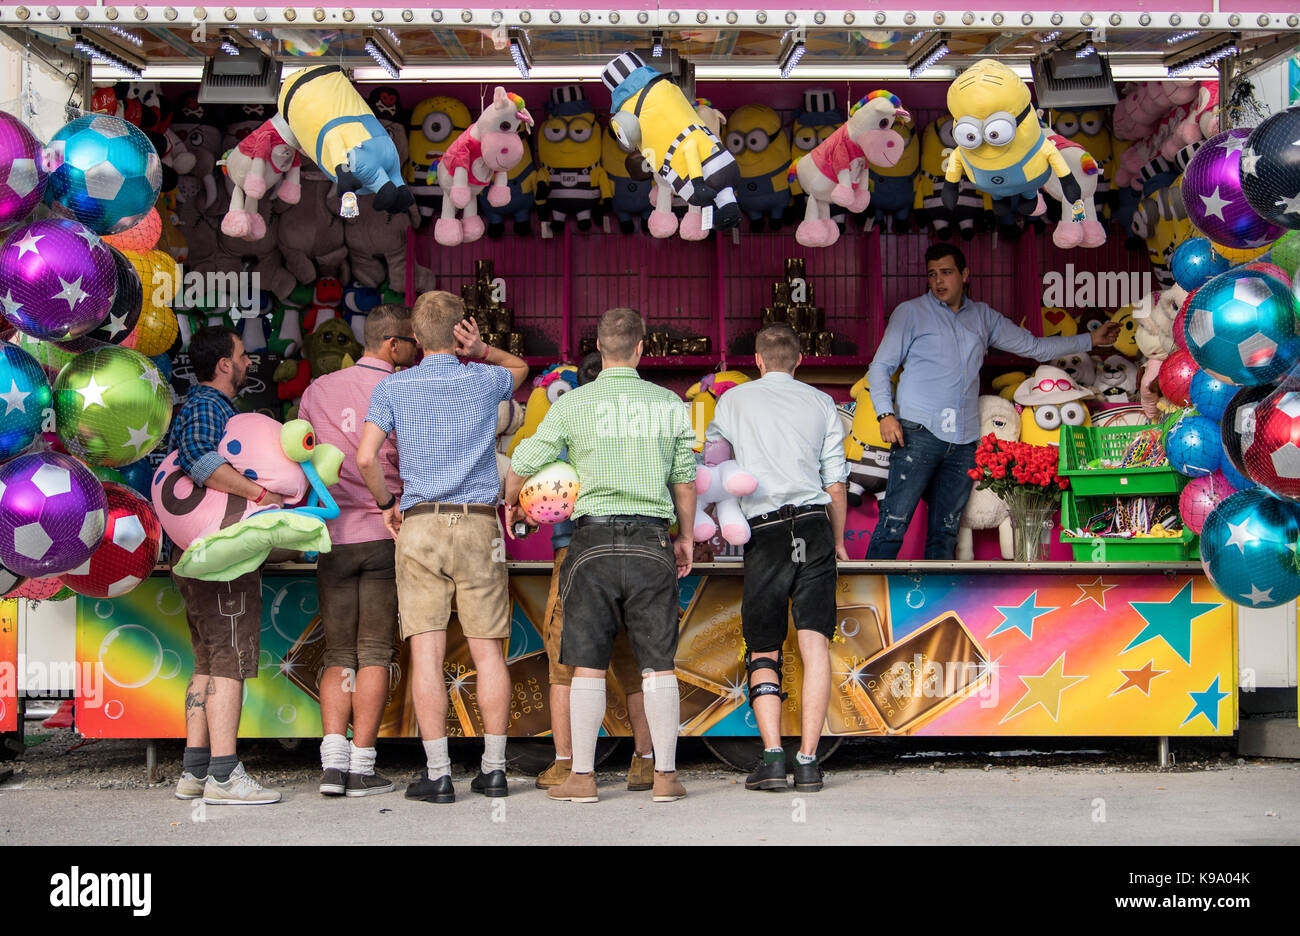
{"x": 312, "y": 235}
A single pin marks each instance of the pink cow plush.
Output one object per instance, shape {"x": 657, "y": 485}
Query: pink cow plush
{"x": 836, "y": 170}
{"x": 478, "y": 159}
{"x": 262, "y": 159}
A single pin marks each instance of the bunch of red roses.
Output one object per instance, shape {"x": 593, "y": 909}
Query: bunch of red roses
{"x": 1005, "y": 466}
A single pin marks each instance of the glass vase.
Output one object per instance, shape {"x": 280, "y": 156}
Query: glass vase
{"x": 1033, "y": 514}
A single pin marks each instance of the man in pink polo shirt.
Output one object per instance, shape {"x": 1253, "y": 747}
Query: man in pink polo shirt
{"x": 355, "y": 580}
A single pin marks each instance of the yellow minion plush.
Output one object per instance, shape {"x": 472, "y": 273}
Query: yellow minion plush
{"x": 629, "y": 183}
{"x": 1051, "y": 399}
{"x": 1126, "y": 343}
{"x": 892, "y": 187}
{"x": 754, "y": 136}
{"x": 1001, "y": 146}
{"x": 435, "y": 124}
{"x": 703, "y": 397}
{"x": 1161, "y": 221}
{"x": 865, "y": 450}
{"x": 570, "y": 179}
{"x": 937, "y": 146}
{"x": 549, "y": 386}
{"x": 323, "y": 116}
{"x": 651, "y": 114}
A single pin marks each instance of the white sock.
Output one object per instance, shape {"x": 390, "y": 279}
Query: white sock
{"x": 437, "y": 758}
{"x": 335, "y": 751}
{"x": 363, "y": 761}
{"x": 559, "y": 757}
{"x": 663, "y": 707}
{"x": 802, "y": 758}
{"x": 586, "y": 712}
{"x": 494, "y": 752}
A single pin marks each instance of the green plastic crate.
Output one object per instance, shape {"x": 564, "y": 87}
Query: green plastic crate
{"x": 1116, "y": 549}
{"x": 1082, "y": 444}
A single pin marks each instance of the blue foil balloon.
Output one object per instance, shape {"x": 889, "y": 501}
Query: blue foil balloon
{"x": 1235, "y": 477}
{"x": 24, "y": 400}
{"x": 138, "y": 475}
{"x": 1211, "y": 396}
{"x": 1241, "y": 327}
{"x": 1194, "y": 263}
{"x": 107, "y": 174}
{"x": 1194, "y": 446}
{"x": 1248, "y": 549}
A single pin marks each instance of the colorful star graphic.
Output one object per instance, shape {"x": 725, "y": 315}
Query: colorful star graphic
{"x": 1241, "y": 537}
{"x": 92, "y": 393}
{"x": 1021, "y": 616}
{"x": 1044, "y": 690}
{"x": 1171, "y": 621}
{"x": 1289, "y": 205}
{"x": 13, "y": 400}
{"x": 1207, "y": 704}
{"x": 28, "y": 244}
{"x": 152, "y": 376}
{"x": 1140, "y": 678}
{"x": 72, "y": 293}
{"x": 1214, "y": 205}
{"x": 1095, "y": 592}
{"x": 1233, "y": 144}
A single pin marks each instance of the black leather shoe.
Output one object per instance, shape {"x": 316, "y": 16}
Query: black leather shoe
{"x": 767, "y": 777}
{"x": 432, "y": 791}
{"x": 808, "y": 777}
{"x": 490, "y": 784}
{"x": 333, "y": 781}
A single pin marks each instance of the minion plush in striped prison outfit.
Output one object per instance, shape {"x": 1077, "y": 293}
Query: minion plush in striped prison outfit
{"x": 324, "y": 116}
{"x": 651, "y": 114}
{"x": 817, "y": 118}
{"x": 571, "y": 181}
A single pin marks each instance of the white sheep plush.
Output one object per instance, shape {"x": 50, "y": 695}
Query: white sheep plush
{"x": 985, "y": 510}
{"x": 1155, "y": 339}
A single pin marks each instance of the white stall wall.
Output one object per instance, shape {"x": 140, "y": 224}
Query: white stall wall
{"x": 50, "y": 91}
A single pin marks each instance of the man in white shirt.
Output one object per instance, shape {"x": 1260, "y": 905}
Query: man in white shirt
{"x": 788, "y": 436}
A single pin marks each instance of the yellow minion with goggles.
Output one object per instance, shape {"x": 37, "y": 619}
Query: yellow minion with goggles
{"x": 651, "y": 114}
{"x": 1001, "y": 146}
{"x": 570, "y": 179}
{"x": 754, "y": 136}
{"x": 435, "y": 124}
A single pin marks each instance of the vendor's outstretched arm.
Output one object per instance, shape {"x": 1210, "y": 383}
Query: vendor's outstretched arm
{"x": 1005, "y": 335}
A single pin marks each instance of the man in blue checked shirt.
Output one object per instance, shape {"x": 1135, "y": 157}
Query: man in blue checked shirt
{"x": 225, "y": 618}
{"x": 940, "y": 340}
{"x": 450, "y": 545}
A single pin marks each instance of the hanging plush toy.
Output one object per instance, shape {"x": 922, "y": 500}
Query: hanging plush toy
{"x": 818, "y": 116}
{"x": 937, "y": 146}
{"x": 261, "y": 162}
{"x": 762, "y": 150}
{"x": 722, "y": 485}
{"x": 324, "y": 116}
{"x": 1001, "y": 146}
{"x": 630, "y": 185}
{"x": 479, "y": 159}
{"x": 703, "y": 396}
{"x": 836, "y": 171}
{"x": 893, "y": 187}
{"x": 1089, "y": 129}
{"x": 1084, "y": 171}
{"x": 436, "y": 122}
{"x": 570, "y": 179}
{"x": 522, "y": 182}
{"x": 549, "y": 386}
{"x": 651, "y": 115}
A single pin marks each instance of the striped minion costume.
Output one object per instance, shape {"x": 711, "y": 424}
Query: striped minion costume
{"x": 571, "y": 180}
{"x": 323, "y": 116}
{"x": 816, "y": 119}
{"x": 651, "y": 114}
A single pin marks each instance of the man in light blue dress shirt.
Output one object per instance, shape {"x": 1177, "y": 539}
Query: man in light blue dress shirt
{"x": 940, "y": 339}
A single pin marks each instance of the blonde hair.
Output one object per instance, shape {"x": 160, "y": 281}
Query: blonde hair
{"x": 434, "y": 316}
{"x": 618, "y": 333}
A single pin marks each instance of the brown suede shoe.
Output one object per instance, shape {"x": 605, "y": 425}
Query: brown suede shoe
{"x": 555, "y": 774}
{"x": 641, "y": 774}
{"x": 576, "y": 788}
{"x": 667, "y": 786}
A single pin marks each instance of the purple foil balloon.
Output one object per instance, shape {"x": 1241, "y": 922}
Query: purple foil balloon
{"x": 57, "y": 279}
{"x": 22, "y": 175}
{"x": 52, "y": 514}
{"x": 1213, "y": 196}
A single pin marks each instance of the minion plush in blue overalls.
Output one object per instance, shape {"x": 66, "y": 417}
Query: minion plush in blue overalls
{"x": 522, "y": 182}
{"x": 1001, "y": 146}
{"x": 817, "y": 118}
{"x": 762, "y": 150}
{"x": 630, "y": 183}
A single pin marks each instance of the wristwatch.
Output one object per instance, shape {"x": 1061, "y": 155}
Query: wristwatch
{"x": 392, "y": 499}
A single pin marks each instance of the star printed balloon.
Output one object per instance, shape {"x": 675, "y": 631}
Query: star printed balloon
{"x": 1270, "y": 169}
{"x": 1248, "y": 549}
{"x": 22, "y": 172}
{"x": 24, "y": 400}
{"x": 128, "y": 551}
{"x": 125, "y": 313}
{"x": 57, "y": 279}
{"x": 112, "y": 406}
{"x": 1213, "y": 196}
{"x": 52, "y": 514}
{"x": 156, "y": 327}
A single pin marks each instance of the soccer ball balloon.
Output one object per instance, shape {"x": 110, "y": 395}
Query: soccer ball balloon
{"x": 52, "y": 514}
{"x": 128, "y": 551}
{"x": 108, "y": 173}
{"x": 1248, "y": 549}
{"x": 1273, "y": 456}
{"x": 1241, "y": 327}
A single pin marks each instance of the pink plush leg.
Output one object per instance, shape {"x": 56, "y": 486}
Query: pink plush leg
{"x": 1040, "y": 207}
{"x": 737, "y": 534}
{"x": 499, "y": 196}
{"x": 842, "y": 195}
{"x": 692, "y": 227}
{"x": 258, "y": 226}
{"x": 254, "y": 186}
{"x": 289, "y": 192}
{"x": 861, "y": 198}
{"x": 446, "y": 231}
{"x": 235, "y": 224}
{"x": 662, "y": 224}
{"x": 1068, "y": 234}
{"x": 1094, "y": 234}
{"x": 832, "y": 232}
{"x": 472, "y": 228}
{"x": 460, "y": 195}
{"x": 810, "y": 233}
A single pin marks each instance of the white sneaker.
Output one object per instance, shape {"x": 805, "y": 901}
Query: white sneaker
{"x": 239, "y": 790}
{"x": 189, "y": 786}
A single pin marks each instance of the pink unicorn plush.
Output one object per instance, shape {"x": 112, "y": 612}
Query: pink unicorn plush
{"x": 260, "y": 161}
{"x": 480, "y": 158}
{"x": 836, "y": 170}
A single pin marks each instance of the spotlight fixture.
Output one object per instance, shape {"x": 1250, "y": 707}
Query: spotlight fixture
{"x": 521, "y": 51}
{"x": 1202, "y": 55}
{"x": 93, "y": 50}
{"x": 657, "y": 44}
{"x": 926, "y": 54}
{"x": 383, "y": 58}
{"x": 793, "y": 48}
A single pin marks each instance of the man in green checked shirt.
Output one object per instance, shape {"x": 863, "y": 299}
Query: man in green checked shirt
{"x": 631, "y": 444}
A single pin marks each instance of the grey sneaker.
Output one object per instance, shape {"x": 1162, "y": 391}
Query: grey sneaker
{"x": 239, "y": 790}
{"x": 368, "y": 784}
{"x": 333, "y": 782}
{"x": 189, "y": 786}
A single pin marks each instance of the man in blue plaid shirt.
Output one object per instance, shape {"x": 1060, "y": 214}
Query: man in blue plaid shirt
{"x": 225, "y": 618}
